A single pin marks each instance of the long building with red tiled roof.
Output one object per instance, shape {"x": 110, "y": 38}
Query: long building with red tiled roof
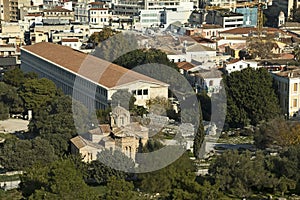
{"x": 88, "y": 78}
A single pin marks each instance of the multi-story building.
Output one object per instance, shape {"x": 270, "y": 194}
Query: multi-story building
{"x": 225, "y": 19}
{"x": 288, "y": 87}
{"x": 99, "y": 17}
{"x": 57, "y": 15}
{"x": 81, "y": 10}
{"x": 9, "y": 10}
{"x": 132, "y": 7}
{"x": 87, "y": 78}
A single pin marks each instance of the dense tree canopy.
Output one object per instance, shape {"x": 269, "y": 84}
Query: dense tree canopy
{"x": 244, "y": 174}
{"x": 278, "y": 133}
{"x": 250, "y": 97}
{"x": 55, "y": 123}
{"x": 144, "y": 56}
{"x": 59, "y": 180}
{"x": 37, "y": 93}
{"x": 103, "y": 35}
{"x": 18, "y": 154}
{"x": 10, "y": 97}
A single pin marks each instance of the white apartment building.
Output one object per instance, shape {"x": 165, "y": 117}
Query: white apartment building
{"x": 81, "y": 10}
{"x": 99, "y": 17}
{"x": 74, "y": 43}
{"x": 288, "y": 86}
{"x": 132, "y": 7}
{"x": 238, "y": 65}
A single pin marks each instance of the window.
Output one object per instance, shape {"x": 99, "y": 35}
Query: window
{"x": 241, "y": 66}
{"x": 134, "y": 92}
{"x": 211, "y": 83}
{"x": 233, "y": 67}
{"x": 295, "y": 102}
{"x": 295, "y": 87}
{"x": 145, "y": 92}
{"x": 139, "y": 92}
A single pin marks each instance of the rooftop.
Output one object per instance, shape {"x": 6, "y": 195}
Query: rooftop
{"x": 292, "y": 73}
{"x": 69, "y": 39}
{"x": 57, "y": 9}
{"x": 98, "y": 70}
{"x": 247, "y": 30}
{"x": 185, "y": 65}
{"x": 98, "y": 8}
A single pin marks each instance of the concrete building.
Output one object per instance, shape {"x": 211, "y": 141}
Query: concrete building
{"x": 225, "y": 19}
{"x": 238, "y": 65}
{"x": 81, "y": 10}
{"x": 87, "y": 78}
{"x": 249, "y": 14}
{"x": 132, "y": 7}
{"x": 288, "y": 88}
{"x": 57, "y": 15}
{"x": 9, "y": 10}
{"x": 99, "y": 17}
{"x": 74, "y": 43}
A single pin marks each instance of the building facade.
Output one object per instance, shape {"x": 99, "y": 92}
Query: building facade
{"x": 288, "y": 88}
{"x": 87, "y": 78}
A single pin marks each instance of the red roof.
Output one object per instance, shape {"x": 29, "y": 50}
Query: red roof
{"x": 246, "y": 30}
{"x": 69, "y": 39}
{"x": 185, "y": 65}
{"x": 98, "y": 8}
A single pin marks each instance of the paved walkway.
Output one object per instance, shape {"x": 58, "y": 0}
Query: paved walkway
{"x": 13, "y": 125}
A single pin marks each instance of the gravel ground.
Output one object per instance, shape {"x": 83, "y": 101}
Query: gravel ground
{"x": 13, "y": 125}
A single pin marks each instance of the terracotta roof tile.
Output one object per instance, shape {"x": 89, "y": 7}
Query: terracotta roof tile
{"x": 69, "y": 39}
{"x": 185, "y": 65}
{"x": 105, "y": 128}
{"x": 98, "y": 70}
{"x": 98, "y": 8}
{"x": 246, "y": 30}
{"x": 78, "y": 142}
{"x": 58, "y": 9}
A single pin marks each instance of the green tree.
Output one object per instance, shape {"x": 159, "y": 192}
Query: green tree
{"x": 116, "y": 160}
{"x": 4, "y": 111}
{"x": 59, "y": 180}
{"x": 14, "y": 77}
{"x": 251, "y": 97}
{"x": 37, "y": 93}
{"x": 99, "y": 173}
{"x": 199, "y": 135}
{"x": 103, "y": 35}
{"x": 55, "y": 123}
{"x": 119, "y": 189}
{"x": 10, "y": 97}
{"x": 21, "y": 154}
{"x": 205, "y": 102}
{"x": 144, "y": 56}
{"x": 163, "y": 181}
{"x": 242, "y": 174}
{"x": 152, "y": 145}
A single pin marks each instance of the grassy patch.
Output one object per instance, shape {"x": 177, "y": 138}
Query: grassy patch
{"x": 10, "y": 194}
{"x": 236, "y": 140}
{"x": 99, "y": 190}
